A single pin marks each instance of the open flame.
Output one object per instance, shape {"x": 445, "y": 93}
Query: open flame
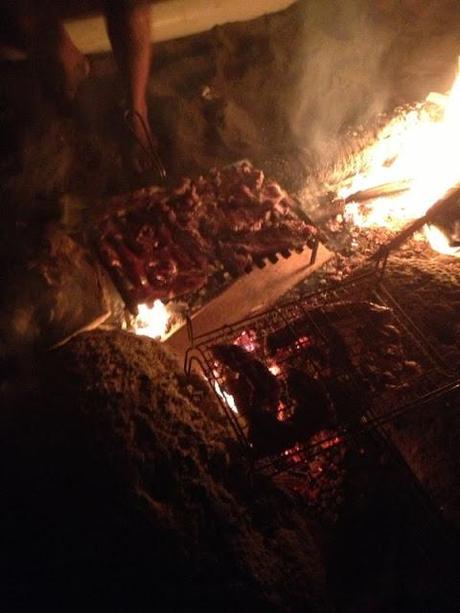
{"x": 226, "y": 397}
{"x": 439, "y": 241}
{"x": 420, "y": 150}
{"x": 152, "y": 321}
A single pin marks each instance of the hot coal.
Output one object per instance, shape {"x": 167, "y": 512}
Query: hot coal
{"x": 313, "y": 409}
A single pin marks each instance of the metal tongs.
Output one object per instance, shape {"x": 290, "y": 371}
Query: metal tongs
{"x": 149, "y": 149}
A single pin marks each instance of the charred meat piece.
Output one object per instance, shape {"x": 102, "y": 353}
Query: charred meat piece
{"x": 162, "y": 271}
{"x": 242, "y": 391}
{"x": 350, "y": 404}
{"x": 257, "y": 395}
{"x": 132, "y": 264}
{"x": 265, "y": 386}
{"x": 313, "y": 409}
{"x": 287, "y": 335}
{"x": 236, "y": 263}
{"x": 269, "y": 436}
{"x": 193, "y": 246}
{"x": 339, "y": 357}
{"x": 273, "y": 239}
{"x": 338, "y": 354}
{"x": 108, "y": 254}
{"x": 246, "y": 218}
{"x": 280, "y": 339}
{"x": 327, "y": 348}
{"x": 143, "y": 240}
{"x": 187, "y": 282}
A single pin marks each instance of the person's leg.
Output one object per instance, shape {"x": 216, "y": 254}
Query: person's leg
{"x": 36, "y": 28}
{"x": 128, "y": 26}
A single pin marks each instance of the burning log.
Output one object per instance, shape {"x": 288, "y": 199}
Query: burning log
{"x": 386, "y": 190}
{"x": 450, "y": 199}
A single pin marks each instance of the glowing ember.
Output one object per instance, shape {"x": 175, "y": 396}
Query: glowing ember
{"x": 274, "y": 369}
{"x": 420, "y": 148}
{"x": 152, "y": 321}
{"x": 302, "y": 342}
{"x": 247, "y": 340}
{"x": 281, "y": 414}
{"x": 331, "y": 442}
{"x": 294, "y": 453}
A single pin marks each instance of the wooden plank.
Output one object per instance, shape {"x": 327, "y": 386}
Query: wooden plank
{"x": 254, "y": 292}
{"x": 174, "y": 19}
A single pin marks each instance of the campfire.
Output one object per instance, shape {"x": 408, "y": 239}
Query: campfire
{"x": 412, "y": 165}
{"x": 300, "y": 382}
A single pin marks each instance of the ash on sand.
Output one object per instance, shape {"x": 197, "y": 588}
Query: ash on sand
{"x": 122, "y": 492}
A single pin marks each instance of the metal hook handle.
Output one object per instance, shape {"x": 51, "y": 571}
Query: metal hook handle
{"x": 149, "y": 150}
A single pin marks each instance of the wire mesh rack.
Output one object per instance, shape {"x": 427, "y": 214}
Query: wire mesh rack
{"x": 355, "y": 340}
{"x": 377, "y": 364}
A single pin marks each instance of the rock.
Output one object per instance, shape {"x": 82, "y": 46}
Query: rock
{"x": 54, "y": 290}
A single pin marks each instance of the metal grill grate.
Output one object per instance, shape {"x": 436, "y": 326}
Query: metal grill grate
{"x": 338, "y": 468}
{"x": 311, "y": 333}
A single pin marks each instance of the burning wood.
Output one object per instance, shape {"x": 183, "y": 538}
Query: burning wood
{"x": 449, "y": 200}
{"x": 412, "y": 165}
{"x": 152, "y": 321}
{"x": 386, "y": 190}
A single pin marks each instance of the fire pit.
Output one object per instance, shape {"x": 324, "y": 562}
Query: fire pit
{"x": 311, "y": 387}
{"x": 310, "y": 374}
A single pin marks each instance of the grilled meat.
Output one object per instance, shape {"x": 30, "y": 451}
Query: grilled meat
{"x": 350, "y": 403}
{"x": 274, "y": 239}
{"x": 336, "y": 311}
{"x": 229, "y": 217}
{"x": 313, "y": 409}
{"x": 269, "y": 436}
{"x": 266, "y": 392}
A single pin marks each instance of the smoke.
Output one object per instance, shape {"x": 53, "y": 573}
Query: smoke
{"x": 359, "y": 58}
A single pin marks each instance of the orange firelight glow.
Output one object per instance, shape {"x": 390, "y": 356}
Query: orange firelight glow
{"x": 420, "y": 147}
{"x": 226, "y": 397}
{"x": 152, "y": 321}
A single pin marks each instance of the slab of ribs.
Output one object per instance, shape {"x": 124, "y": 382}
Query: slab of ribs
{"x": 162, "y": 244}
